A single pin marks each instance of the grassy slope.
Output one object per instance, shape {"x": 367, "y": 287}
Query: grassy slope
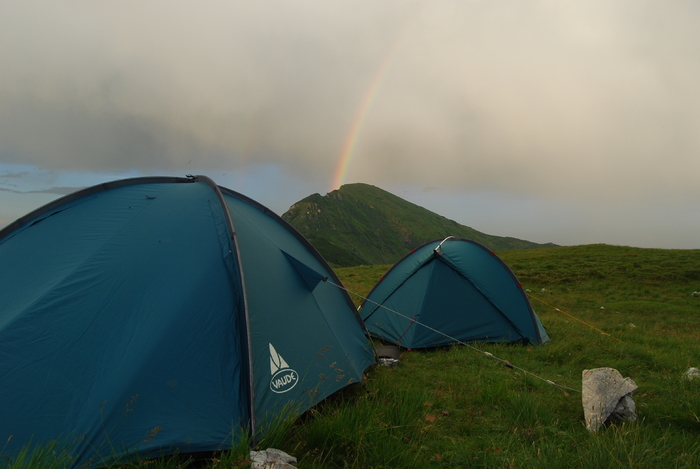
{"x": 360, "y": 224}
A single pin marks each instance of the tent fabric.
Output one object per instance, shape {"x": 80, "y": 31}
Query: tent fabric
{"x": 447, "y": 291}
{"x": 142, "y": 316}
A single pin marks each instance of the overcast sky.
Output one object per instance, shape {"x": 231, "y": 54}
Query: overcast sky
{"x": 573, "y": 122}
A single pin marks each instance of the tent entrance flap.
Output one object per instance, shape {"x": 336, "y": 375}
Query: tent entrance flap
{"x": 310, "y": 277}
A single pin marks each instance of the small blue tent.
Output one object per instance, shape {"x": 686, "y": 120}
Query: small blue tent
{"x": 447, "y": 291}
{"x": 162, "y": 315}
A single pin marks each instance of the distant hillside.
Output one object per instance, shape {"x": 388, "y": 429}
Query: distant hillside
{"x": 360, "y": 224}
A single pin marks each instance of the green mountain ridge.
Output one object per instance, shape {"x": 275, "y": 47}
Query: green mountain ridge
{"x": 360, "y": 224}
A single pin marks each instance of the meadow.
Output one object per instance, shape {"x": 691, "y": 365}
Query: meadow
{"x": 603, "y": 306}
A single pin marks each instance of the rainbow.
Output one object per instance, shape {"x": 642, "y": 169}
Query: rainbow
{"x": 368, "y": 99}
{"x": 348, "y": 150}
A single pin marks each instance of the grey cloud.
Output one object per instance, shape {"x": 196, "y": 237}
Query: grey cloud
{"x": 570, "y": 99}
{"x": 229, "y": 84}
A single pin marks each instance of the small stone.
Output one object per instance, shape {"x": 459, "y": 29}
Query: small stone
{"x": 272, "y": 459}
{"x": 388, "y": 362}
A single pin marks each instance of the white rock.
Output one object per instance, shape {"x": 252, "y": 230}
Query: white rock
{"x": 389, "y": 362}
{"x": 272, "y": 459}
{"x": 607, "y": 396}
{"x": 692, "y": 373}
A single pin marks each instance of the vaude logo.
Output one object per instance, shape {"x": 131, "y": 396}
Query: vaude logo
{"x": 283, "y": 378}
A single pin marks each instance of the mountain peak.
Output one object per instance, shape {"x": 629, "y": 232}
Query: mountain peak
{"x": 361, "y": 224}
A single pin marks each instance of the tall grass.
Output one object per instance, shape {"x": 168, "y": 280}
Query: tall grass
{"x": 378, "y": 428}
{"x": 52, "y": 455}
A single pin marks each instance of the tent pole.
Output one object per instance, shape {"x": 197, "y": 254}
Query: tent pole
{"x": 234, "y": 244}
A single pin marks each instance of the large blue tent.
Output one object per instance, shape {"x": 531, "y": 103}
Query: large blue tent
{"x": 449, "y": 291}
{"x": 162, "y": 315}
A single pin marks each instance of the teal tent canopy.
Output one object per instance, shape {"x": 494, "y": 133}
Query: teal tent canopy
{"x": 447, "y": 291}
{"x": 162, "y": 315}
